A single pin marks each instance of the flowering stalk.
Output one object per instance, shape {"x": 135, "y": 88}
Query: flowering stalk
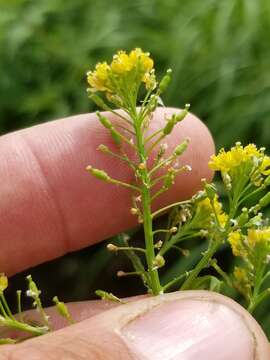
{"x": 121, "y": 82}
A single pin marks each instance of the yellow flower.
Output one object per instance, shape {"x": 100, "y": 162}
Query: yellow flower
{"x": 121, "y": 63}
{"x": 138, "y": 56}
{"x": 258, "y": 237}
{"x": 226, "y": 161}
{"x": 107, "y": 77}
{"x": 236, "y": 241}
{"x": 242, "y": 283}
{"x": 205, "y": 211}
{"x": 99, "y": 79}
{"x": 240, "y": 274}
{"x": 265, "y": 166}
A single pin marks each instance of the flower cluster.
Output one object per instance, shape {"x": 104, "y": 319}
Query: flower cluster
{"x": 253, "y": 248}
{"x": 206, "y": 211}
{"x": 256, "y": 241}
{"x": 241, "y": 162}
{"x": 125, "y": 71}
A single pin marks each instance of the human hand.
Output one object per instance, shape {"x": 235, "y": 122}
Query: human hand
{"x": 49, "y": 206}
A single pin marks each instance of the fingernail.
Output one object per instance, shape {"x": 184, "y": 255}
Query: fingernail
{"x": 190, "y": 329}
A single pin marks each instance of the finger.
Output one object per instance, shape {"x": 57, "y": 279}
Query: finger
{"x": 188, "y": 325}
{"x": 79, "y": 311}
{"x": 49, "y": 204}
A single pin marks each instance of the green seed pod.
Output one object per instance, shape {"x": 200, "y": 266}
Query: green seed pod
{"x": 115, "y": 135}
{"x": 265, "y": 201}
{"x": 98, "y": 101}
{"x": 180, "y": 149}
{"x": 165, "y": 81}
{"x": 99, "y": 174}
{"x": 61, "y": 308}
{"x": 169, "y": 126}
{"x": 267, "y": 181}
{"x": 179, "y": 117}
{"x": 104, "y": 121}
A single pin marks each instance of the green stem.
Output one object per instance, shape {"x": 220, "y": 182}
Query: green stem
{"x": 258, "y": 299}
{"x": 214, "y": 244}
{"x": 174, "y": 281}
{"x": 154, "y": 285}
{"x": 34, "y": 330}
{"x": 165, "y": 208}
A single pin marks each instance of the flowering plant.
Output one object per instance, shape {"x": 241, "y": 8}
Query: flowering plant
{"x": 236, "y": 221}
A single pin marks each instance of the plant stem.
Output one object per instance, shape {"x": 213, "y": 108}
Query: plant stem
{"x": 214, "y": 244}
{"x": 154, "y": 285}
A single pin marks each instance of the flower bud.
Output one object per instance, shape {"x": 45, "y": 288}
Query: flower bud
{"x": 112, "y": 247}
{"x": 227, "y": 180}
{"x": 159, "y": 261}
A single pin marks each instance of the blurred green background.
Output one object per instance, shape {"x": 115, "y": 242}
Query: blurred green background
{"x": 220, "y": 55}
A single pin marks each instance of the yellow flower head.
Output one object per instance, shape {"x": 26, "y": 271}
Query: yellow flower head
{"x": 242, "y": 281}
{"x": 137, "y": 63}
{"x": 265, "y": 166}
{"x": 99, "y": 79}
{"x": 240, "y": 274}
{"x": 205, "y": 211}
{"x": 236, "y": 241}
{"x": 227, "y": 161}
{"x": 258, "y": 237}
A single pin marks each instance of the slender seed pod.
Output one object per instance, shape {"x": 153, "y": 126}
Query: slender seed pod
{"x": 265, "y": 201}
{"x": 99, "y": 174}
{"x": 98, "y": 101}
{"x": 267, "y": 181}
{"x": 179, "y": 117}
{"x": 180, "y": 149}
{"x": 169, "y": 126}
{"x": 165, "y": 81}
{"x": 104, "y": 120}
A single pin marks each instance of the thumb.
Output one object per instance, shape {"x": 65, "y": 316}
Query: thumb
{"x": 183, "y": 325}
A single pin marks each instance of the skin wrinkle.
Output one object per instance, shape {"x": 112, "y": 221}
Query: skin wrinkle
{"x": 102, "y": 334}
{"x": 53, "y": 195}
{"x": 15, "y": 218}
